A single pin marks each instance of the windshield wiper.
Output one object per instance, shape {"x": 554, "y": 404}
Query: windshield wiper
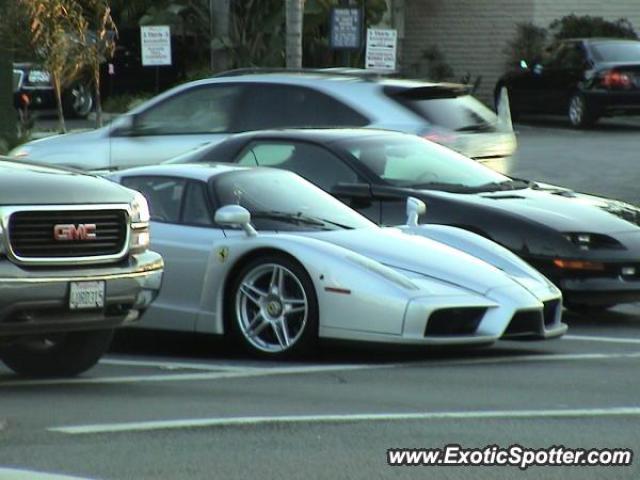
{"x": 297, "y": 218}
{"x": 512, "y": 184}
{"x": 444, "y": 186}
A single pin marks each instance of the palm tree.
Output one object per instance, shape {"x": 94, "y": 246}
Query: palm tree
{"x": 294, "y": 13}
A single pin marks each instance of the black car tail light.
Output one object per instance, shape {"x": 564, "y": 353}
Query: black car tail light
{"x": 25, "y": 100}
{"x": 616, "y": 80}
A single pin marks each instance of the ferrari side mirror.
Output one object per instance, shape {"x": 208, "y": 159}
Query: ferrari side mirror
{"x": 235, "y": 216}
{"x": 415, "y": 208}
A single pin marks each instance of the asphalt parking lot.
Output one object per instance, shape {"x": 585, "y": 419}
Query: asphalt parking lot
{"x": 178, "y": 406}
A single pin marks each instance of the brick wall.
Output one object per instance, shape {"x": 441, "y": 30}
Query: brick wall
{"x": 472, "y": 34}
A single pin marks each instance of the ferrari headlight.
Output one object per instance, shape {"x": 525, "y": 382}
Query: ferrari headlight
{"x": 383, "y": 271}
{"x": 139, "y": 224}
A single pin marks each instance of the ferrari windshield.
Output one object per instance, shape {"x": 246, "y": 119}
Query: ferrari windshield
{"x": 408, "y": 161}
{"x": 281, "y": 200}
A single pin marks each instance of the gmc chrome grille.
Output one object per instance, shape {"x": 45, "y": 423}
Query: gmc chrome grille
{"x": 32, "y": 233}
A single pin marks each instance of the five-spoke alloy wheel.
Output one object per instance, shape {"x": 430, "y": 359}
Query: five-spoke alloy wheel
{"x": 275, "y": 310}
{"x": 579, "y": 113}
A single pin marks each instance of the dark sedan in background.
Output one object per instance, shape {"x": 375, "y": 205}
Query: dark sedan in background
{"x": 584, "y": 79}
{"x": 589, "y": 246}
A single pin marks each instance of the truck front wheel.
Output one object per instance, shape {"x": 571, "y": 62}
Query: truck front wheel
{"x": 57, "y": 355}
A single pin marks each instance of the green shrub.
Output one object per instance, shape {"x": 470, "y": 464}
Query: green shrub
{"x": 527, "y": 45}
{"x": 198, "y": 73}
{"x": 431, "y": 65}
{"x": 530, "y": 40}
{"x": 572, "y": 26}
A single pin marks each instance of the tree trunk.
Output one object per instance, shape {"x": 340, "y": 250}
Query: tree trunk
{"x": 98, "y": 96}
{"x": 7, "y": 111}
{"x": 220, "y": 12}
{"x": 294, "y": 13}
{"x": 57, "y": 90}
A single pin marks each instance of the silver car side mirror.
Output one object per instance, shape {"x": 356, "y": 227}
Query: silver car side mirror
{"x": 415, "y": 208}
{"x": 235, "y": 216}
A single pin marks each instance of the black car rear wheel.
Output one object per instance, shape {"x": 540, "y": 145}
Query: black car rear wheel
{"x": 579, "y": 113}
{"x": 77, "y": 101}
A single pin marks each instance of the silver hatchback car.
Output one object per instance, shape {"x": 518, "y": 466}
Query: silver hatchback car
{"x": 208, "y": 110}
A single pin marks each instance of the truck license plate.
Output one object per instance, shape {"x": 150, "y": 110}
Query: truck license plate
{"x": 86, "y": 295}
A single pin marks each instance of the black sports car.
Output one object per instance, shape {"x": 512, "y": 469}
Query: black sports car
{"x": 588, "y": 246}
{"x": 582, "y": 78}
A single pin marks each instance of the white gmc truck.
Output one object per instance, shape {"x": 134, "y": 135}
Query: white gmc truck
{"x": 74, "y": 265}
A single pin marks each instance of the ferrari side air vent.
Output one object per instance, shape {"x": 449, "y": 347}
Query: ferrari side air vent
{"x": 454, "y": 321}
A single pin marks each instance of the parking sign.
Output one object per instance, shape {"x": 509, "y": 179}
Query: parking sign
{"x": 155, "y": 41}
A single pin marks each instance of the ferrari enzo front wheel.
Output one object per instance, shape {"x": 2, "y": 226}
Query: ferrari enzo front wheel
{"x": 275, "y": 308}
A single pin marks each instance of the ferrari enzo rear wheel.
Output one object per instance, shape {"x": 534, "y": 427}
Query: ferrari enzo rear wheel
{"x": 275, "y": 309}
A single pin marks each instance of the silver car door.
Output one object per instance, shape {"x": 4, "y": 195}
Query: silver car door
{"x": 182, "y": 231}
{"x": 178, "y": 123}
{"x": 186, "y": 251}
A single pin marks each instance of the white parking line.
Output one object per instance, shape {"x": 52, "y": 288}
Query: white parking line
{"x": 165, "y": 365}
{"x": 181, "y": 377}
{"x": 342, "y": 418}
{"x": 552, "y": 357}
{"x": 269, "y": 371}
{"x": 588, "y": 338}
{"x": 20, "y": 474}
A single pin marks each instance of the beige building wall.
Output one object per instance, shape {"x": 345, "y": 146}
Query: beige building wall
{"x": 472, "y": 34}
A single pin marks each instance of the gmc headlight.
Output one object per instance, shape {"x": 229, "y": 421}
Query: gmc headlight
{"x": 139, "y": 224}
{"x": 139, "y": 211}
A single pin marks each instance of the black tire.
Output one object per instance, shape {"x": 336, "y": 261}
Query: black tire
{"x": 579, "y": 113}
{"x": 57, "y": 355}
{"x": 77, "y": 101}
{"x": 302, "y": 330}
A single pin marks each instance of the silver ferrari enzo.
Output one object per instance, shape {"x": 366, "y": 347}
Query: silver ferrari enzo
{"x": 265, "y": 256}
